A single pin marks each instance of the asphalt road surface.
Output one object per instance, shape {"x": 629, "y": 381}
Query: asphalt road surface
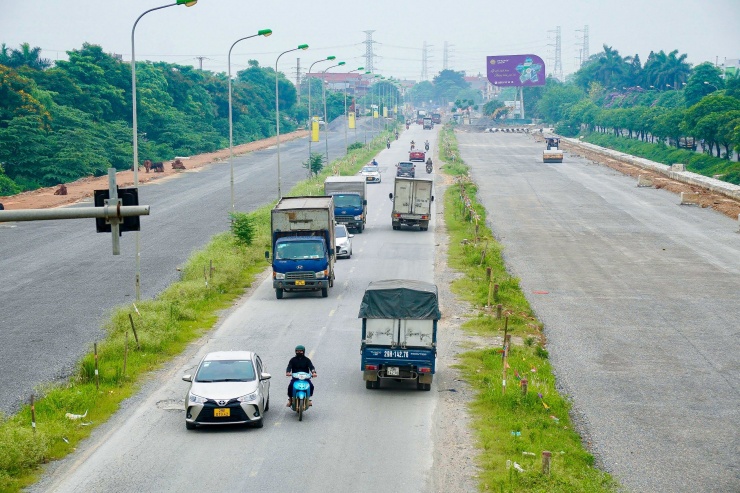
{"x": 59, "y": 279}
{"x": 641, "y": 311}
{"x": 352, "y": 439}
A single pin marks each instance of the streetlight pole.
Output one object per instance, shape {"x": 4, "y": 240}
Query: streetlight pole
{"x": 708, "y": 84}
{"x": 277, "y": 114}
{"x": 364, "y": 106}
{"x": 187, "y": 3}
{"x": 262, "y": 32}
{"x": 326, "y": 115}
{"x": 310, "y": 116}
{"x": 346, "y": 116}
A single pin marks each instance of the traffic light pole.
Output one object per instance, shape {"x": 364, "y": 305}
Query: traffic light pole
{"x": 113, "y": 212}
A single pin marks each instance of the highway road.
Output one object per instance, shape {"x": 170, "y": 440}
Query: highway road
{"x": 641, "y": 311}
{"x": 59, "y": 279}
{"x": 352, "y": 439}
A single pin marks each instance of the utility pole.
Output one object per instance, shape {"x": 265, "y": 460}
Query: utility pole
{"x": 298, "y": 77}
{"x": 369, "y": 55}
{"x": 444, "y": 57}
{"x": 424, "y": 57}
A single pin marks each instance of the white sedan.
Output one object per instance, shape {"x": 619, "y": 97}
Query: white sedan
{"x": 343, "y": 241}
{"x": 371, "y": 174}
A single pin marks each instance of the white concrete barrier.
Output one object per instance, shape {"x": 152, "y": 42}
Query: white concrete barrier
{"x": 644, "y": 181}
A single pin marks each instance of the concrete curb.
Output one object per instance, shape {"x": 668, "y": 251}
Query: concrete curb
{"x": 674, "y": 172}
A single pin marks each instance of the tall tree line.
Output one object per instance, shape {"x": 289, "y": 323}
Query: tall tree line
{"x": 73, "y": 118}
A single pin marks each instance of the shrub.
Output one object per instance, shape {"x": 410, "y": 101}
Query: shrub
{"x": 242, "y": 227}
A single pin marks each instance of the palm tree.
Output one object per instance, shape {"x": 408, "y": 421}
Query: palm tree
{"x": 28, "y": 56}
{"x": 611, "y": 67}
{"x": 663, "y": 70}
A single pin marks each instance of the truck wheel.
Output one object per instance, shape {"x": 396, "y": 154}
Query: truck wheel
{"x": 376, "y": 384}
{"x": 324, "y": 292}
{"x": 279, "y": 293}
{"x": 369, "y": 384}
{"x": 427, "y": 386}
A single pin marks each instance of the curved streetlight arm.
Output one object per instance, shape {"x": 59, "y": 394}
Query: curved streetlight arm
{"x": 135, "y": 126}
{"x": 277, "y": 112}
{"x": 262, "y": 32}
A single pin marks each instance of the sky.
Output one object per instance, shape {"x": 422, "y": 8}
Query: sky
{"x": 706, "y": 30}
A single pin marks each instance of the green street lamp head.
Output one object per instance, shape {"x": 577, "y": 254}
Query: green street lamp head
{"x": 187, "y": 3}
{"x": 367, "y": 72}
{"x": 331, "y": 57}
{"x": 264, "y": 32}
{"x": 360, "y": 68}
{"x": 302, "y": 47}
{"x": 340, "y": 63}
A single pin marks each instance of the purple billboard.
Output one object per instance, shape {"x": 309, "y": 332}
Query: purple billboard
{"x": 516, "y": 70}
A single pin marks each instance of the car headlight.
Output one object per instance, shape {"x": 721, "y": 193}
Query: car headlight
{"x": 279, "y": 275}
{"x": 196, "y": 399}
{"x": 321, "y": 274}
{"x": 358, "y": 218}
{"x": 248, "y": 398}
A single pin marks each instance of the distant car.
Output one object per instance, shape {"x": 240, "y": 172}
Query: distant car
{"x": 343, "y": 241}
{"x": 229, "y": 387}
{"x": 406, "y": 168}
{"x": 371, "y": 174}
{"x": 417, "y": 156}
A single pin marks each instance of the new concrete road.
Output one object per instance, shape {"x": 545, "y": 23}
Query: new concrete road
{"x": 641, "y": 311}
{"x": 59, "y": 279}
{"x": 352, "y": 439}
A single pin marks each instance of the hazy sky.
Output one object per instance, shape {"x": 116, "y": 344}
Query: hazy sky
{"x": 703, "y": 29}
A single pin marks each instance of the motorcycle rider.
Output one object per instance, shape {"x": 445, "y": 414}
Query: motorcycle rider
{"x": 374, "y": 162}
{"x": 396, "y": 134}
{"x": 299, "y": 363}
{"x": 426, "y": 145}
{"x": 429, "y": 165}
{"x": 412, "y": 145}
{"x": 388, "y": 143}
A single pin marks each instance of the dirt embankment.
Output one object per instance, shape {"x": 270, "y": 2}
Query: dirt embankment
{"x": 707, "y": 198}
{"x": 44, "y": 198}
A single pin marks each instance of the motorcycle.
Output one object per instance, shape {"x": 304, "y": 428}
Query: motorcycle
{"x": 388, "y": 143}
{"x": 301, "y": 399}
{"x": 407, "y": 126}
{"x": 429, "y": 166}
{"x": 426, "y": 146}
{"x": 412, "y": 146}
{"x": 396, "y": 135}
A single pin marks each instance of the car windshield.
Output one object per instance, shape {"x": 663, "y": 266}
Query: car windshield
{"x": 369, "y": 169}
{"x": 406, "y": 165}
{"x": 226, "y": 371}
{"x": 341, "y": 200}
{"x": 295, "y": 250}
{"x": 341, "y": 231}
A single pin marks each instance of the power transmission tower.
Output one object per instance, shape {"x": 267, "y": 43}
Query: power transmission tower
{"x": 424, "y": 56}
{"x": 298, "y": 76}
{"x": 369, "y": 55}
{"x": 200, "y": 62}
{"x": 444, "y": 57}
{"x": 557, "y": 69}
{"x": 584, "y": 44}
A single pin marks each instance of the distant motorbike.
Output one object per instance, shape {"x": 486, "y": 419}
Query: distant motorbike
{"x": 396, "y": 135}
{"x": 407, "y": 126}
{"x": 426, "y": 146}
{"x": 300, "y": 400}
{"x": 429, "y": 165}
{"x": 388, "y": 143}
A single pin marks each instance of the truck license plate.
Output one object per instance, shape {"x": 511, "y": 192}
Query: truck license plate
{"x": 300, "y": 283}
{"x": 392, "y": 371}
{"x": 221, "y": 412}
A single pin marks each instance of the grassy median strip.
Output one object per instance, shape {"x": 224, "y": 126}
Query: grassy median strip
{"x": 523, "y": 425}
{"x": 142, "y": 337}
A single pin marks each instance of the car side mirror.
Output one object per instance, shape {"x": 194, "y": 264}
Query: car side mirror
{"x": 390, "y": 195}
{"x": 364, "y": 202}
{"x": 351, "y": 236}
{"x": 432, "y": 198}
{"x": 265, "y": 376}
{"x": 267, "y": 255}
{"x": 187, "y": 378}
{"x": 331, "y": 252}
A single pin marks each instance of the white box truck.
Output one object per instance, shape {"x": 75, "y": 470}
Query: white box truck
{"x": 412, "y": 202}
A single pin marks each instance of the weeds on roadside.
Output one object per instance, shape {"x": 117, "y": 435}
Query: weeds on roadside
{"x": 513, "y": 428}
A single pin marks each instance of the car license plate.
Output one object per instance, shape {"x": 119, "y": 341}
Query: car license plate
{"x": 300, "y": 283}
{"x": 221, "y": 412}
{"x": 392, "y": 371}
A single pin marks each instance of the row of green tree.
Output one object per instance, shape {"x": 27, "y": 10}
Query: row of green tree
{"x": 666, "y": 101}
{"x": 74, "y": 119}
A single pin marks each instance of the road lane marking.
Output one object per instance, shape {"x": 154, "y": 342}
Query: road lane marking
{"x": 256, "y": 467}
{"x": 331, "y": 313}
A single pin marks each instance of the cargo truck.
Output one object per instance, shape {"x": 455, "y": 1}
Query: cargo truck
{"x": 350, "y": 200}
{"x": 427, "y": 123}
{"x": 399, "y": 332}
{"x": 412, "y": 203}
{"x": 303, "y": 251}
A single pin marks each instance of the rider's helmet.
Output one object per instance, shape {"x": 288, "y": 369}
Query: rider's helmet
{"x": 301, "y": 348}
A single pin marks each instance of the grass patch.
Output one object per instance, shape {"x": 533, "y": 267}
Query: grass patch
{"x": 511, "y": 427}
{"x": 210, "y": 281}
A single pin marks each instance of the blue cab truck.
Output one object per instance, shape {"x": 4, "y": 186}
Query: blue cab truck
{"x": 303, "y": 245}
{"x": 399, "y": 332}
{"x": 350, "y": 200}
